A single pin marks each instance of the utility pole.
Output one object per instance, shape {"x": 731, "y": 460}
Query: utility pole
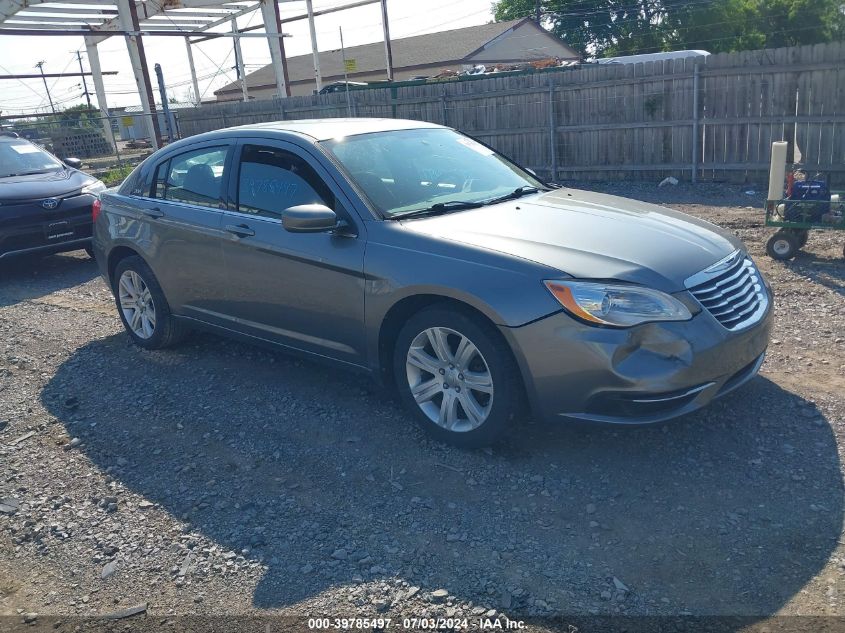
{"x": 193, "y": 71}
{"x": 309, "y": 7}
{"x": 345, "y": 74}
{"x": 239, "y": 60}
{"x": 84, "y": 83}
{"x": 40, "y": 66}
{"x": 237, "y": 66}
{"x": 164, "y": 105}
{"x": 537, "y": 11}
{"x": 388, "y": 52}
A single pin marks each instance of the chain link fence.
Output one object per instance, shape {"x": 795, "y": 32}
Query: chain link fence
{"x": 109, "y": 147}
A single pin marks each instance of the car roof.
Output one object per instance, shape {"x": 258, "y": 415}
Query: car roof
{"x": 324, "y": 129}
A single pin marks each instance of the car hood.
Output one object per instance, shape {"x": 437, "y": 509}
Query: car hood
{"x": 48, "y": 185}
{"x": 591, "y": 235}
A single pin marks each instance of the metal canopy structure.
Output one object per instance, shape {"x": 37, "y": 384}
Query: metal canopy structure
{"x": 97, "y": 20}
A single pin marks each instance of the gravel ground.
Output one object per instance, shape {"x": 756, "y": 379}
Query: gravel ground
{"x": 219, "y": 478}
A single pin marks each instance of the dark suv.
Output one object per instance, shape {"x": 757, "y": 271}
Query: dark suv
{"x": 45, "y": 204}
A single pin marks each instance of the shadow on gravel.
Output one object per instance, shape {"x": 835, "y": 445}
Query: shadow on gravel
{"x": 825, "y": 271}
{"x": 27, "y": 278}
{"x": 730, "y": 511}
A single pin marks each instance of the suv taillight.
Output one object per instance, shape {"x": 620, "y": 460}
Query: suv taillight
{"x": 95, "y": 209}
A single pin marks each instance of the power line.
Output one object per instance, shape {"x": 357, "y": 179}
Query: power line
{"x": 603, "y": 12}
{"x": 24, "y": 84}
{"x": 575, "y": 14}
{"x": 675, "y": 29}
{"x": 64, "y": 70}
{"x": 393, "y": 20}
{"x": 219, "y": 66}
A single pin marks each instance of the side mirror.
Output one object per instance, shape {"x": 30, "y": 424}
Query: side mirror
{"x": 73, "y": 163}
{"x": 309, "y": 218}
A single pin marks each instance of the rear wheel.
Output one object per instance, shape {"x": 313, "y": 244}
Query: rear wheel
{"x": 783, "y": 245}
{"x": 142, "y": 306}
{"x": 455, "y": 374}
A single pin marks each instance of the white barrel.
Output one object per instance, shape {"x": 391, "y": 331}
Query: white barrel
{"x": 777, "y": 172}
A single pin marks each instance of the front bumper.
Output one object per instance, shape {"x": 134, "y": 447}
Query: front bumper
{"x": 50, "y": 249}
{"x": 645, "y": 374}
{"x": 27, "y": 228}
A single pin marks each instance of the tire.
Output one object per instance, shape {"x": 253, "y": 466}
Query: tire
{"x": 803, "y": 236}
{"x": 160, "y": 331}
{"x": 782, "y": 246}
{"x": 482, "y": 406}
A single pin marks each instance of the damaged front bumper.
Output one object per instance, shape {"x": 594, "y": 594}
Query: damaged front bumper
{"x": 640, "y": 375}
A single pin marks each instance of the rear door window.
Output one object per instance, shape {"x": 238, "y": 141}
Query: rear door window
{"x": 195, "y": 177}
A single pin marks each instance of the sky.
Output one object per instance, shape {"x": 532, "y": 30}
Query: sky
{"x": 214, "y": 59}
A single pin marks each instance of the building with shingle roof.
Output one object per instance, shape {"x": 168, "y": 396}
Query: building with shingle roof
{"x": 511, "y": 42}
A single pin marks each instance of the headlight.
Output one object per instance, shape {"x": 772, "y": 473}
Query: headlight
{"x": 616, "y": 305}
{"x": 94, "y": 187}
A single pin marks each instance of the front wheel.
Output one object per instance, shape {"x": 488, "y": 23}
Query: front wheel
{"x": 142, "y": 306}
{"x": 457, "y": 377}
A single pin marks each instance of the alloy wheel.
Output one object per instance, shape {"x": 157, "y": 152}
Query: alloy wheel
{"x": 137, "y": 304}
{"x": 449, "y": 379}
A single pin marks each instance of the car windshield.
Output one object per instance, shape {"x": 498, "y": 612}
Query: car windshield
{"x": 20, "y": 157}
{"x": 405, "y": 172}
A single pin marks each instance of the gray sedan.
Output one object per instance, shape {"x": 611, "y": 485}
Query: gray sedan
{"x": 424, "y": 258}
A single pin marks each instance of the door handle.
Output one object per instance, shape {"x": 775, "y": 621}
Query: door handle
{"x": 153, "y": 213}
{"x": 241, "y": 230}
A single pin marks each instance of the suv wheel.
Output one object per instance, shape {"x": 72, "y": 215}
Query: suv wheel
{"x": 457, "y": 377}
{"x": 142, "y": 307}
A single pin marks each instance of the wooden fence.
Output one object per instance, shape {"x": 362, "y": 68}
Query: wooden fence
{"x": 709, "y": 118}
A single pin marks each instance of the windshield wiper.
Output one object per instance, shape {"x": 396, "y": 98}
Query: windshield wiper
{"x": 516, "y": 193}
{"x": 438, "y": 208}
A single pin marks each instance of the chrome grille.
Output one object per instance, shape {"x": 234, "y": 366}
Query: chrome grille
{"x": 732, "y": 290}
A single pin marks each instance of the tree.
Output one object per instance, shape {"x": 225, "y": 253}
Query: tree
{"x": 74, "y": 116}
{"x": 796, "y": 22}
{"x": 724, "y": 25}
{"x": 731, "y": 25}
{"x": 598, "y": 28}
